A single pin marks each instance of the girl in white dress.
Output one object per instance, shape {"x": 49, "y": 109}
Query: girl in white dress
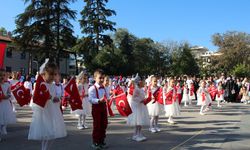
{"x": 7, "y": 116}
{"x": 47, "y": 123}
{"x": 220, "y": 94}
{"x": 185, "y": 97}
{"x": 154, "y": 108}
{"x": 204, "y": 98}
{"x": 140, "y": 116}
{"x": 171, "y": 102}
{"x": 82, "y": 85}
{"x": 13, "y": 81}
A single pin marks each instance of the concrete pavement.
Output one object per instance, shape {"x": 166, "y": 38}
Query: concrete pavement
{"x": 222, "y": 128}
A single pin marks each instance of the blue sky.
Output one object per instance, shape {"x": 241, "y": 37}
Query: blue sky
{"x": 194, "y": 21}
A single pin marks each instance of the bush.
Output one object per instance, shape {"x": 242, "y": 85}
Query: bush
{"x": 241, "y": 70}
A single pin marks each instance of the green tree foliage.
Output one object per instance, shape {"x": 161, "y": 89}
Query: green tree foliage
{"x": 241, "y": 70}
{"x": 94, "y": 24}
{"x": 183, "y": 61}
{"x": 45, "y": 26}
{"x": 235, "y": 49}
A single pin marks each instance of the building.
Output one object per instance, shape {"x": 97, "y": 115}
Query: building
{"x": 203, "y": 56}
{"x": 23, "y": 62}
{"x": 198, "y": 51}
{"x": 206, "y": 58}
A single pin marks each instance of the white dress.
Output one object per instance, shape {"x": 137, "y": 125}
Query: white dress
{"x": 174, "y": 108}
{"x": 47, "y": 123}
{"x": 185, "y": 97}
{"x": 207, "y": 100}
{"x": 154, "y": 109}
{"x": 86, "y": 105}
{"x": 221, "y": 96}
{"x": 140, "y": 112}
{"x": 7, "y": 116}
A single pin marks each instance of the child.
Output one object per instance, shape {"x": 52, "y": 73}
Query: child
{"x": 191, "y": 92}
{"x": 179, "y": 91}
{"x": 140, "y": 116}
{"x": 59, "y": 88}
{"x": 83, "y": 86}
{"x": 220, "y": 94}
{"x": 47, "y": 123}
{"x": 171, "y": 102}
{"x": 244, "y": 93}
{"x": 204, "y": 98}
{"x": 7, "y": 116}
{"x": 66, "y": 97}
{"x": 13, "y": 81}
{"x": 154, "y": 107}
{"x": 99, "y": 110}
{"x": 185, "y": 97}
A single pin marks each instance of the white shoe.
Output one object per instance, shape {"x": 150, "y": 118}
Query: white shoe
{"x": 157, "y": 129}
{"x": 139, "y": 139}
{"x": 171, "y": 121}
{"x": 153, "y": 130}
{"x": 219, "y": 106}
{"x": 134, "y": 137}
{"x": 201, "y": 113}
{"x": 80, "y": 127}
{"x": 85, "y": 126}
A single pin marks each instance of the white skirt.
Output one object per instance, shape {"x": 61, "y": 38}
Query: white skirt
{"x": 172, "y": 110}
{"x": 154, "y": 109}
{"x": 191, "y": 97}
{"x": 140, "y": 114}
{"x": 47, "y": 123}
{"x": 221, "y": 98}
{"x": 185, "y": 98}
{"x": 207, "y": 101}
{"x": 7, "y": 116}
{"x": 86, "y": 108}
{"x": 245, "y": 98}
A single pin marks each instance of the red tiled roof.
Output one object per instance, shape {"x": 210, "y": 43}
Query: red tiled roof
{"x": 6, "y": 39}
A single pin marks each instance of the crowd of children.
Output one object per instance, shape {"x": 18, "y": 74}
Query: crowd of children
{"x": 148, "y": 99}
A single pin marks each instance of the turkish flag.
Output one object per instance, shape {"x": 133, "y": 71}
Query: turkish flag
{"x": 1, "y": 93}
{"x": 15, "y": 85}
{"x": 2, "y": 53}
{"x": 123, "y": 105}
{"x": 169, "y": 97}
{"x": 131, "y": 89}
{"x": 108, "y": 106}
{"x": 149, "y": 98}
{"x": 158, "y": 96}
{"x": 41, "y": 92}
{"x": 75, "y": 99}
{"x": 22, "y": 95}
{"x": 118, "y": 90}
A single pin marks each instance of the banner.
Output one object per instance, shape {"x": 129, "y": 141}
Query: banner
{"x": 2, "y": 53}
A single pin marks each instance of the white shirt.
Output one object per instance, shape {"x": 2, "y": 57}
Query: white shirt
{"x": 93, "y": 95}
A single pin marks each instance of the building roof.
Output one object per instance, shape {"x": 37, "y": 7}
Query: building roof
{"x": 5, "y": 39}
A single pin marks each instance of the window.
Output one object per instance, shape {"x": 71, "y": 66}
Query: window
{"x": 23, "y": 55}
{"x": 9, "y": 52}
{"x": 8, "y": 69}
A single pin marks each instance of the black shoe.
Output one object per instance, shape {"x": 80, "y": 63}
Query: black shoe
{"x": 96, "y": 146}
{"x": 104, "y": 145}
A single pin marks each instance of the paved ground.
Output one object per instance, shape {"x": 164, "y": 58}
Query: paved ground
{"x": 226, "y": 128}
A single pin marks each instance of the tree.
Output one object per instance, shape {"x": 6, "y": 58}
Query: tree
{"x": 235, "y": 49}
{"x": 94, "y": 24}
{"x": 3, "y": 31}
{"x": 183, "y": 61}
{"x": 241, "y": 70}
{"x": 44, "y": 27}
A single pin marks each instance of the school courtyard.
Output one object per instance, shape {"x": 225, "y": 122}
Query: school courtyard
{"x": 222, "y": 128}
